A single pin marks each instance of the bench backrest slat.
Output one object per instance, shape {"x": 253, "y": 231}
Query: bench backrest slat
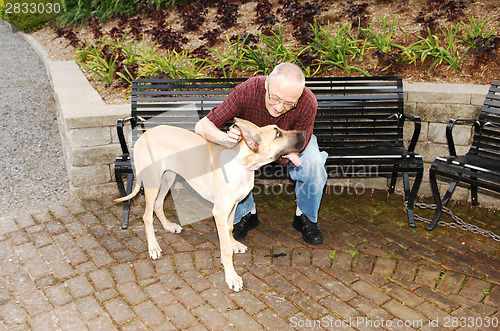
{"x": 352, "y": 112}
{"x": 486, "y": 142}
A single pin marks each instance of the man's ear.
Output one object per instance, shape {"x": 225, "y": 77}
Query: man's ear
{"x": 249, "y": 133}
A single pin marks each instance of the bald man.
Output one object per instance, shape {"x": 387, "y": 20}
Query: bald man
{"x": 281, "y": 99}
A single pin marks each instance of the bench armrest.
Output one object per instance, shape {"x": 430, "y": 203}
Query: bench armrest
{"x": 449, "y": 132}
{"x": 416, "y": 131}
{"x": 119, "y": 131}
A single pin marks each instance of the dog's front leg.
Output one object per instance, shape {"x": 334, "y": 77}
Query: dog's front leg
{"x": 222, "y": 216}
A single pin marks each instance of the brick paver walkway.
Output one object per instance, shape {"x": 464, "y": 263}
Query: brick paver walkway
{"x": 73, "y": 268}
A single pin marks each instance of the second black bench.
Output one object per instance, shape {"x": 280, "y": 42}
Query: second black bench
{"x": 480, "y": 166}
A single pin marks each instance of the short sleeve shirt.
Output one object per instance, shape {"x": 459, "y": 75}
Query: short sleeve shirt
{"x": 247, "y": 101}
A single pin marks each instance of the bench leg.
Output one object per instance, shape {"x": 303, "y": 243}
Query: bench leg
{"x": 119, "y": 183}
{"x": 437, "y": 198}
{"x": 126, "y": 204}
{"x": 411, "y": 195}
{"x": 392, "y": 185}
{"x": 473, "y": 191}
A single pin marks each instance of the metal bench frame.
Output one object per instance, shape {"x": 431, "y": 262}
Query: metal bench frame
{"x": 359, "y": 123}
{"x": 480, "y": 166}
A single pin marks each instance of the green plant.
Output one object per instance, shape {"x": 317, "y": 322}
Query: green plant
{"x": 335, "y": 52}
{"x": 229, "y": 61}
{"x": 102, "y": 65}
{"x": 261, "y": 60}
{"x": 476, "y": 30}
{"x": 429, "y": 47}
{"x": 383, "y": 40}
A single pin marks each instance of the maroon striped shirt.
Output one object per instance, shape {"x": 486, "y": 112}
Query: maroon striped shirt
{"x": 247, "y": 101}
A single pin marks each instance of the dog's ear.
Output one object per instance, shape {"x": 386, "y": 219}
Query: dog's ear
{"x": 249, "y": 133}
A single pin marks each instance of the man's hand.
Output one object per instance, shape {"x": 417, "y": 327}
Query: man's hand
{"x": 233, "y": 136}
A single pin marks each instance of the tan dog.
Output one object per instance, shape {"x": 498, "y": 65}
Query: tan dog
{"x": 220, "y": 175}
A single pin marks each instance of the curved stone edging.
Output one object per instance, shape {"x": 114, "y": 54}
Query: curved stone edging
{"x": 88, "y": 133}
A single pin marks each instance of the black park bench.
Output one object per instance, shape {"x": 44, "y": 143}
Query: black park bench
{"x": 480, "y": 166}
{"x": 359, "y": 123}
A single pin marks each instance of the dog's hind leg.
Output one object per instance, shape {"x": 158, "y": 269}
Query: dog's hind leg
{"x": 166, "y": 182}
{"x": 153, "y": 246}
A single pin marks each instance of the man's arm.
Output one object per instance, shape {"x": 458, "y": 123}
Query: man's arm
{"x": 210, "y": 132}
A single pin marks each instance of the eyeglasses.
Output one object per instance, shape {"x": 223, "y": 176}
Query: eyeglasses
{"x": 286, "y": 104}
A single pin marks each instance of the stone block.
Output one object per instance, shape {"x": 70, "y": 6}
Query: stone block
{"x": 462, "y": 134}
{"x": 440, "y": 93}
{"x": 409, "y": 128}
{"x": 87, "y": 137}
{"x": 442, "y": 112}
{"x": 102, "y": 191}
{"x": 479, "y": 94}
{"x": 89, "y": 176}
{"x": 97, "y": 155}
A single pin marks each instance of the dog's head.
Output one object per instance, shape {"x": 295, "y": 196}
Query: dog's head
{"x": 269, "y": 143}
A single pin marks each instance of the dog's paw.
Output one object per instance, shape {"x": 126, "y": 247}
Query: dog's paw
{"x": 235, "y": 282}
{"x": 239, "y": 247}
{"x": 155, "y": 251}
{"x": 174, "y": 228}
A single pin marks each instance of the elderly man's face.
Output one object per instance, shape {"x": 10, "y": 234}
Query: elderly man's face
{"x": 281, "y": 96}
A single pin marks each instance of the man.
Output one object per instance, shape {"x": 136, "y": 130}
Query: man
{"x": 282, "y": 99}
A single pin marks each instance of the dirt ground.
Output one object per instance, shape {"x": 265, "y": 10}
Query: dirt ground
{"x": 335, "y": 12}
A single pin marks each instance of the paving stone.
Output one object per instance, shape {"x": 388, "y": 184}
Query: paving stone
{"x": 43, "y": 322}
{"x": 101, "y": 279}
{"x": 402, "y": 295}
{"x": 310, "y": 288}
{"x": 119, "y": 310}
{"x": 186, "y": 296}
{"x": 436, "y": 298}
{"x": 123, "y": 273}
{"x": 131, "y": 292}
{"x": 180, "y": 316}
{"x": 281, "y": 285}
{"x": 307, "y": 304}
{"x": 89, "y": 308}
{"x": 247, "y": 301}
{"x": 11, "y": 313}
{"x": 475, "y": 289}
{"x": 402, "y": 312}
{"x": 58, "y": 295}
{"x": 68, "y": 318}
{"x": 339, "y": 307}
{"x": 209, "y": 318}
{"x": 159, "y": 294}
{"x": 370, "y": 292}
{"x": 370, "y": 309}
{"x": 102, "y": 323}
{"x": 279, "y": 304}
{"x": 427, "y": 275}
{"x": 271, "y": 321}
{"x": 451, "y": 282}
{"x": 241, "y": 320}
{"x": 35, "y": 303}
{"x": 79, "y": 287}
{"x": 149, "y": 314}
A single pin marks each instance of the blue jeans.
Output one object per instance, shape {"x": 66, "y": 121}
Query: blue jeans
{"x": 310, "y": 180}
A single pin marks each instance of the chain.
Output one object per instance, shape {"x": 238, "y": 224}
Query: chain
{"x": 459, "y": 223}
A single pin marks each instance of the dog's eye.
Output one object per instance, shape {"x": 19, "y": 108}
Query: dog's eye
{"x": 278, "y": 133}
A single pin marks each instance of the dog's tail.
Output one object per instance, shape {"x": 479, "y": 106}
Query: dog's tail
{"x": 134, "y": 192}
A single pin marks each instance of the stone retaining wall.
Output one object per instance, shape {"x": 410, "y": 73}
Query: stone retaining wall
{"x": 88, "y": 130}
